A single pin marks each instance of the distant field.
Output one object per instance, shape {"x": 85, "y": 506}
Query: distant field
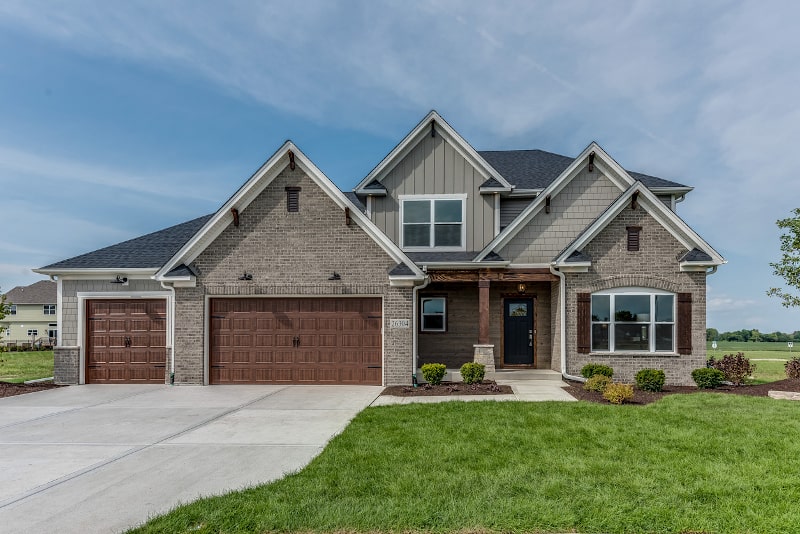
{"x": 766, "y": 371}
{"x": 758, "y": 346}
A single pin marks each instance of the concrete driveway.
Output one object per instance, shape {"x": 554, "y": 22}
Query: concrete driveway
{"x": 104, "y": 458}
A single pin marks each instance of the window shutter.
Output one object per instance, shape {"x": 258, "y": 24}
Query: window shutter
{"x": 684, "y": 323}
{"x": 584, "y": 323}
{"x": 292, "y": 199}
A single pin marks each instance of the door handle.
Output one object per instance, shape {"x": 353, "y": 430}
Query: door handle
{"x": 530, "y": 338}
{"x": 127, "y": 342}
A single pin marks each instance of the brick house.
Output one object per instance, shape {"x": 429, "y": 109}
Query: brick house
{"x": 441, "y": 254}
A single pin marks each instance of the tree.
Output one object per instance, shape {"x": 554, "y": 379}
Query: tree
{"x": 788, "y": 267}
{"x": 712, "y": 334}
{"x": 4, "y": 309}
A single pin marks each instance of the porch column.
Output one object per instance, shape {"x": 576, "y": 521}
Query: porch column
{"x": 483, "y": 312}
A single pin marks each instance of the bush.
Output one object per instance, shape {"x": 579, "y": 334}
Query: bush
{"x": 650, "y": 379}
{"x": 735, "y": 367}
{"x": 792, "y": 368}
{"x": 473, "y": 373}
{"x": 433, "y": 373}
{"x": 618, "y": 393}
{"x": 597, "y": 383}
{"x": 708, "y": 378}
{"x": 591, "y": 369}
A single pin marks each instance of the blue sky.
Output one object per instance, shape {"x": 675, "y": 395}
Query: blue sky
{"x": 121, "y": 118}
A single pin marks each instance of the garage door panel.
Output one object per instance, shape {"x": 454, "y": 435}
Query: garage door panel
{"x": 240, "y": 356}
{"x": 126, "y": 341}
{"x": 314, "y": 340}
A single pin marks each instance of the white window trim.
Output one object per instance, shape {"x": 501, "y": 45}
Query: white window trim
{"x": 422, "y": 315}
{"x": 46, "y": 307}
{"x": 12, "y": 309}
{"x": 33, "y": 331}
{"x": 652, "y": 323}
{"x": 461, "y": 196}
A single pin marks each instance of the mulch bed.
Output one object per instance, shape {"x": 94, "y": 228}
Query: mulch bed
{"x": 487, "y": 387}
{"x": 8, "y": 389}
{"x": 645, "y": 397}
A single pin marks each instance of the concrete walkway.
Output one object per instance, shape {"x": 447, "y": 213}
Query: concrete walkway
{"x": 534, "y": 385}
{"x": 102, "y": 459}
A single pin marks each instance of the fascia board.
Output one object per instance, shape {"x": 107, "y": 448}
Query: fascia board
{"x": 97, "y": 271}
{"x": 671, "y": 190}
{"x": 415, "y": 136}
{"x": 469, "y": 265}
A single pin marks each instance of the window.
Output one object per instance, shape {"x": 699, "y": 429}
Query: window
{"x": 633, "y": 320}
{"x": 49, "y": 309}
{"x": 433, "y": 317}
{"x": 13, "y": 309}
{"x": 52, "y": 332}
{"x": 33, "y": 332}
{"x": 433, "y": 222}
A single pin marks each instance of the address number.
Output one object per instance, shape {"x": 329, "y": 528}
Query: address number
{"x": 399, "y": 323}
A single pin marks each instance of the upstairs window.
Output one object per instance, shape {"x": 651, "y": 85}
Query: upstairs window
{"x": 12, "y": 309}
{"x": 433, "y": 222}
{"x": 49, "y": 309}
{"x": 633, "y": 321}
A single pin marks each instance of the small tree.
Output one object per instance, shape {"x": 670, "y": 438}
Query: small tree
{"x": 788, "y": 267}
{"x": 4, "y": 310}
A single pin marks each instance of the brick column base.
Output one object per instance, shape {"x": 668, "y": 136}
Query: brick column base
{"x": 485, "y": 354}
{"x": 67, "y": 365}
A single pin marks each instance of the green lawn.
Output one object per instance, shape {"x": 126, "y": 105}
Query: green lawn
{"x": 22, "y": 366}
{"x": 766, "y": 371}
{"x": 701, "y": 463}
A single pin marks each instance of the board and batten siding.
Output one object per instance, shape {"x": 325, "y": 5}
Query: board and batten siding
{"x": 574, "y": 208}
{"x": 434, "y": 167}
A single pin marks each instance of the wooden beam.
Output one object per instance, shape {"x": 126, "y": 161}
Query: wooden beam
{"x": 483, "y": 312}
{"x": 495, "y": 275}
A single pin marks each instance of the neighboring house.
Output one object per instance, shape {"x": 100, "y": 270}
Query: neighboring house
{"x": 32, "y": 316}
{"x": 441, "y": 254}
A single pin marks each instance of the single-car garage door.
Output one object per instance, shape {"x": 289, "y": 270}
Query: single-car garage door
{"x": 295, "y": 341}
{"x": 126, "y": 341}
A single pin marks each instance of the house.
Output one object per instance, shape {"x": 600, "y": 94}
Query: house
{"x": 442, "y": 253}
{"x": 32, "y": 315}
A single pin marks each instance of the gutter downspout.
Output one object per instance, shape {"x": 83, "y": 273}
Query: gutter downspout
{"x": 415, "y": 311}
{"x": 171, "y": 289}
{"x": 712, "y": 271}
{"x": 562, "y": 304}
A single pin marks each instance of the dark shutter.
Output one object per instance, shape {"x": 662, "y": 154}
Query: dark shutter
{"x": 584, "y": 323}
{"x": 292, "y": 199}
{"x": 684, "y": 323}
{"x": 633, "y": 237}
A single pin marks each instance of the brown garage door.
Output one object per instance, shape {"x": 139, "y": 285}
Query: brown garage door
{"x": 295, "y": 341}
{"x": 126, "y": 341}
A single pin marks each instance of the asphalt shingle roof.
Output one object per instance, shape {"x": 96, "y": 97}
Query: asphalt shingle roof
{"x": 151, "y": 250}
{"x": 444, "y": 257}
{"x": 41, "y": 292}
{"x": 577, "y": 257}
{"x": 536, "y": 169}
{"x": 696, "y": 255}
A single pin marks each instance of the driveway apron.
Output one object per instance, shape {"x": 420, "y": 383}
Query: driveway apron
{"x": 104, "y": 458}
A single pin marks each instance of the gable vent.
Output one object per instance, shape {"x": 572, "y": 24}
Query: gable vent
{"x": 292, "y": 199}
{"x": 633, "y": 237}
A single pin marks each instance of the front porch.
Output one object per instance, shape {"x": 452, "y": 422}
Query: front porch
{"x": 507, "y": 314}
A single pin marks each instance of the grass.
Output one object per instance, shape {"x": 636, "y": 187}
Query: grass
{"x": 18, "y": 367}
{"x": 702, "y": 463}
{"x": 766, "y": 371}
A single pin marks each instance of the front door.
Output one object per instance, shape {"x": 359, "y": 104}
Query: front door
{"x": 518, "y": 331}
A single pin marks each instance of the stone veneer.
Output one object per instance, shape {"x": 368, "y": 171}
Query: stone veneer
{"x": 655, "y": 266}
{"x": 291, "y": 254}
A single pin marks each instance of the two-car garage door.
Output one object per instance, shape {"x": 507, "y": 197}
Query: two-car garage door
{"x": 295, "y": 341}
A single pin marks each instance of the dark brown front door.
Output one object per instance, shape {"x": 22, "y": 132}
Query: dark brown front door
{"x": 126, "y": 341}
{"x": 295, "y": 341}
{"x": 518, "y": 331}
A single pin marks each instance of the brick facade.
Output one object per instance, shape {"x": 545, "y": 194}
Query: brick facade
{"x": 655, "y": 266}
{"x": 291, "y": 254}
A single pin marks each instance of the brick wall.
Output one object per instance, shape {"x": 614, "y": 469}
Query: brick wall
{"x": 292, "y": 254}
{"x": 655, "y": 266}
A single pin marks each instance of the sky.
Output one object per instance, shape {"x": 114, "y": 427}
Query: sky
{"x": 121, "y": 118}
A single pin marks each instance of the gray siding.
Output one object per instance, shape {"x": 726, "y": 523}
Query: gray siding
{"x": 666, "y": 200}
{"x": 435, "y": 167}
{"x": 510, "y": 208}
{"x": 572, "y": 210}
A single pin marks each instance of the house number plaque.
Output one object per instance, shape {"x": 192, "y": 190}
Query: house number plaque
{"x": 399, "y": 323}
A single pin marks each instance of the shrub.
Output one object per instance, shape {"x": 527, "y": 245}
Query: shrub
{"x": 735, "y": 367}
{"x": 591, "y": 369}
{"x": 433, "y": 373}
{"x": 473, "y": 373}
{"x": 650, "y": 379}
{"x": 793, "y": 368}
{"x": 708, "y": 378}
{"x": 597, "y": 383}
{"x": 618, "y": 393}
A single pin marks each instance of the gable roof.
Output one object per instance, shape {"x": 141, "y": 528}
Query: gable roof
{"x": 681, "y": 231}
{"x": 536, "y": 169}
{"x": 432, "y": 122}
{"x": 250, "y": 190}
{"x": 149, "y": 251}
{"x": 604, "y": 163}
{"x": 41, "y": 292}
